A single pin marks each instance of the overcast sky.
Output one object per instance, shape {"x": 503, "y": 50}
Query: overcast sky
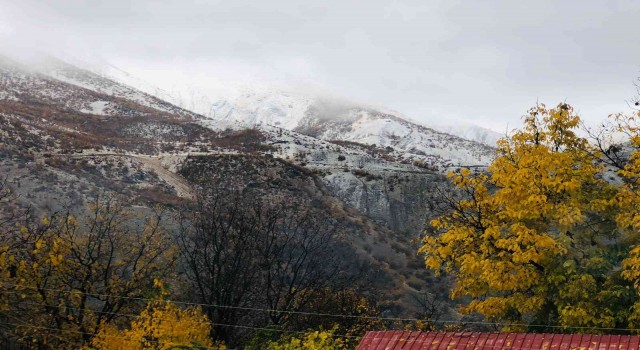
{"x": 484, "y": 61}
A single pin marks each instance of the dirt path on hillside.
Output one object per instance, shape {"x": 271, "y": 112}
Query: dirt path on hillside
{"x": 182, "y": 187}
{"x": 180, "y": 184}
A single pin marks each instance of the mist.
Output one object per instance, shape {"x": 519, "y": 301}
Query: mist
{"x": 485, "y": 63}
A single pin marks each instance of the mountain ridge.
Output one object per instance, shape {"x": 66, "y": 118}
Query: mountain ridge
{"x": 69, "y": 134}
{"x": 277, "y": 106}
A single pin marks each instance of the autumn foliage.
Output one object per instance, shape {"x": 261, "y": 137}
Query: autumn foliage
{"x": 544, "y": 238}
{"x": 61, "y": 277}
{"x": 315, "y": 340}
{"x": 92, "y": 280}
{"x": 162, "y": 325}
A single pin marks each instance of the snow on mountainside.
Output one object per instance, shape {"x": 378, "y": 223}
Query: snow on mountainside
{"x": 332, "y": 119}
{"x": 289, "y": 109}
{"x": 463, "y": 129}
{"x": 414, "y": 141}
{"x": 90, "y": 80}
{"x": 41, "y": 113}
{"x": 267, "y": 105}
{"x": 283, "y": 110}
{"x": 470, "y": 132}
{"x": 323, "y": 118}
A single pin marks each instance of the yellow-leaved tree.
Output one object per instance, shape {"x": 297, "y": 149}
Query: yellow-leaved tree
{"x": 628, "y": 201}
{"x": 64, "y": 276}
{"x": 534, "y": 241}
{"x": 163, "y": 325}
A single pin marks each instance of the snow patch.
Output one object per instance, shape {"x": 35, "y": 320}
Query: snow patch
{"x": 97, "y": 107}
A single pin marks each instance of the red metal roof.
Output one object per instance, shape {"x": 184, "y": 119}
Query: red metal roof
{"x": 406, "y": 340}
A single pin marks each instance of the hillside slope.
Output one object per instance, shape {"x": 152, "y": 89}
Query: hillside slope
{"x": 68, "y": 135}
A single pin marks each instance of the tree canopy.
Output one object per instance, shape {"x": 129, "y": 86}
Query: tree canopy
{"x": 548, "y": 235}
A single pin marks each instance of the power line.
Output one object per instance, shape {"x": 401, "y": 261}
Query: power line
{"x": 213, "y": 323}
{"x": 198, "y": 322}
{"x": 22, "y": 324}
{"x": 32, "y": 326}
{"x": 307, "y": 313}
{"x": 388, "y": 337}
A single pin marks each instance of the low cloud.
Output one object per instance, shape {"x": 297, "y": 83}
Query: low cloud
{"x": 485, "y": 61}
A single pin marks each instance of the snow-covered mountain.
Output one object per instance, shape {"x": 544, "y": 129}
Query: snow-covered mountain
{"x": 331, "y": 119}
{"x": 281, "y": 109}
{"x": 289, "y": 110}
{"x": 266, "y": 105}
{"x": 324, "y": 119}
{"x": 123, "y": 86}
{"x": 469, "y": 131}
{"x": 72, "y": 130}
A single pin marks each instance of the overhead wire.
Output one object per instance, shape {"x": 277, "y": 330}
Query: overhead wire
{"x": 385, "y": 336}
{"x": 169, "y": 320}
{"x": 374, "y": 338}
{"x": 308, "y": 313}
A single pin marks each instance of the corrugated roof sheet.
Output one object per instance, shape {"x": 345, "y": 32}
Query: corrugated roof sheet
{"x": 406, "y": 340}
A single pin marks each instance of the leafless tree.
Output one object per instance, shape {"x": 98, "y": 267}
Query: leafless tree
{"x": 611, "y": 151}
{"x": 242, "y": 253}
{"x": 634, "y": 103}
{"x": 297, "y": 259}
{"x": 430, "y": 307}
{"x": 10, "y": 211}
{"x": 217, "y": 242}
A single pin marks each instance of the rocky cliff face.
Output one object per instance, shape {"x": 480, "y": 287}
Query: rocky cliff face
{"x": 391, "y": 165}
{"x": 400, "y": 201}
{"x": 391, "y": 187}
{"x": 67, "y": 135}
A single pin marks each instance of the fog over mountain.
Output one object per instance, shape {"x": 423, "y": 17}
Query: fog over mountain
{"x": 483, "y": 63}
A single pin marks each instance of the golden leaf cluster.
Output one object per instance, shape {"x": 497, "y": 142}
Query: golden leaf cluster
{"x": 542, "y": 237}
